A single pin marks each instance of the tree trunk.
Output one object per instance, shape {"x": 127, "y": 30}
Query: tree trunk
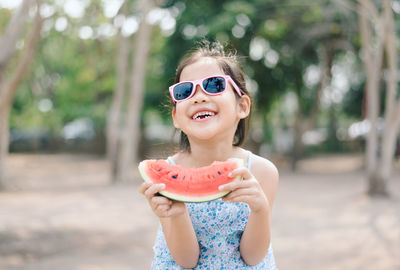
{"x": 379, "y": 182}
{"x": 131, "y": 135}
{"x": 114, "y": 121}
{"x": 298, "y": 147}
{"x": 372, "y": 62}
{"x": 332, "y": 139}
{"x": 4, "y": 137}
{"x": 379, "y": 153}
{"x": 8, "y": 88}
{"x": 306, "y": 123}
{"x": 372, "y": 97}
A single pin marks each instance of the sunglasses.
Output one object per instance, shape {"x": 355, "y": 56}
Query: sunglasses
{"x": 214, "y": 85}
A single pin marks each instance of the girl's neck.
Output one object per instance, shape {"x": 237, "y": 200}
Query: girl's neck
{"x": 204, "y": 154}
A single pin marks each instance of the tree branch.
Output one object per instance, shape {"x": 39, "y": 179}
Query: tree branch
{"x": 365, "y": 32}
{"x": 370, "y": 9}
{"x": 13, "y": 31}
{"x": 326, "y": 58}
{"x": 391, "y": 56}
{"x": 11, "y": 86}
{"x": 392, "y": 103}
{"x": 347, "y": 4}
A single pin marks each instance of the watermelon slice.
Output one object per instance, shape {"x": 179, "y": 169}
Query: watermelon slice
{"x": 190, "y": 184}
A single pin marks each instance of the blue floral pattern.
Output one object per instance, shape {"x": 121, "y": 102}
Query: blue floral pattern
{"x": 219, "y": 227}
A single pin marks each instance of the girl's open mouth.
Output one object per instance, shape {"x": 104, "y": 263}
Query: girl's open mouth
{"x": 203, "y": 115}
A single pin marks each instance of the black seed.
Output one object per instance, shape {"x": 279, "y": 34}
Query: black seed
{"x": 219, "y": 173}
{"x": 175, "y": 176}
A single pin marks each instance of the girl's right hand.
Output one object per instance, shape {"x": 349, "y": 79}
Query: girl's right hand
{"x": 161, "y": 206}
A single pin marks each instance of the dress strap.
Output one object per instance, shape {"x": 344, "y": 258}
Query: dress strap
{"x": 249, "y": 159}
{"x": 171, "y": 161}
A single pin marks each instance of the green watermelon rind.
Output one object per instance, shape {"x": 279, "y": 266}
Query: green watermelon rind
{"x": 183, "y": 198}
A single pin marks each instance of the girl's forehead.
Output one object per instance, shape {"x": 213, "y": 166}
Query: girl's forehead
{"x": 204, "y": 67}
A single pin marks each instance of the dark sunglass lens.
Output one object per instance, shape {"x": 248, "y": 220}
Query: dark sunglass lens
{"x": 214, "y": 85}
{"x": 182, "y": 91}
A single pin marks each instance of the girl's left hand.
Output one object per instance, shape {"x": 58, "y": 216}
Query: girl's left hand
{"x": 247, "y": 190}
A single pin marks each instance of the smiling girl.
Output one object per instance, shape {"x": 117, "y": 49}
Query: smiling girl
{"x": 211, "y": 109}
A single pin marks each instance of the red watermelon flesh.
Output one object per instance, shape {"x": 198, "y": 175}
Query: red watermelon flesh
{"x": 190, "y": 184}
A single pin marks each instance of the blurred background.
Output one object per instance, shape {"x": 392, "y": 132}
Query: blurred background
{"x": 83, "y": 98}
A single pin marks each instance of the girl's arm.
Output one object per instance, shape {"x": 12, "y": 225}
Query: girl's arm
{"x": 258, "y": 191}
{"x": 176, "y": 224}
{"x": 181, "y": 239}
{"x": 256, "y": 237}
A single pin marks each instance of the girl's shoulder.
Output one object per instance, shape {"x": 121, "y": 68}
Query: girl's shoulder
{"x": 263, "y": 166}
{"x": 266, "y": 174}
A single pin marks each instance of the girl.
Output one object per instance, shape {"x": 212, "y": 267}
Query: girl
{"x": 212, "y": 108}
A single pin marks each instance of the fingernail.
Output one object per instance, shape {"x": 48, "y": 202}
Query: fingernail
{"x": 230, "y": 174}
{"x": 221, "y": 187}
{"x": 162, "y": 186}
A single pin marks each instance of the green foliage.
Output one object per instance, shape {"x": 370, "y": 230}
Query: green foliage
{"x": 78, "y": 75}
{"x": 352, "y": 104}
{"x": 5, "y": 16}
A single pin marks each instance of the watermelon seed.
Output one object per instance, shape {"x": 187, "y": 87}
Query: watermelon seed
{"x": 219, "y": 173}
{"x": 175, "y": 176}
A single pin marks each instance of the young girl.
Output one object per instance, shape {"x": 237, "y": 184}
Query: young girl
{"x": 212, "y": 108}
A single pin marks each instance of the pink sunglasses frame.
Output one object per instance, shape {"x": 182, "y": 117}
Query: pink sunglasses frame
{"x": 227, "y": 78}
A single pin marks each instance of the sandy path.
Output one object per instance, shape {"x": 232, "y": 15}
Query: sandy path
{"x": 62, "y": 215}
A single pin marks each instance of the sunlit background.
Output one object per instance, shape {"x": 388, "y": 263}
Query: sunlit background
{"x": 93, "y": 101}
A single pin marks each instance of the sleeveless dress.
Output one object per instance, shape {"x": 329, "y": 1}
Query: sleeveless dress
{"x": 219, "y": 227}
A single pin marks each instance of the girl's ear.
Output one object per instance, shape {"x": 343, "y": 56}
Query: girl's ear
{"x": 244, "y": 106}
{"x": 173, "y": 113}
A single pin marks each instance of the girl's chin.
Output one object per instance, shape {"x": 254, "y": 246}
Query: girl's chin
{"x": 209, "y": 134}
{"x": 202, "y": 134}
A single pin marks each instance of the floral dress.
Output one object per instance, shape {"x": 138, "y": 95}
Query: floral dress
{"x": 219, "y": 227}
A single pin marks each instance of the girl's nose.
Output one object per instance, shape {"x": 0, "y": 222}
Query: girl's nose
{"x": 199, "y": 95}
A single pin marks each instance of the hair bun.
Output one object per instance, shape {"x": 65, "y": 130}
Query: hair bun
{"x": 214, "y": 49}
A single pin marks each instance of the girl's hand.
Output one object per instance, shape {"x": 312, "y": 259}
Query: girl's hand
{"x": 160, "y": 205}
{"x": 248, "y": 191}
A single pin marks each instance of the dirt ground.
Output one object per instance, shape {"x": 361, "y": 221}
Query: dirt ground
{"x": 62, "y": 214}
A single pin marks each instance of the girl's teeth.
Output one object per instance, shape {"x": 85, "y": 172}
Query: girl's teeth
{"x": 201, "y": 115}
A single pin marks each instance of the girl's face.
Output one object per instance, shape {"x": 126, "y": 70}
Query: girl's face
{"x": 203, "y": 116}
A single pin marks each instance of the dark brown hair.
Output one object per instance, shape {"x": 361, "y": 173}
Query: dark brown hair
{"x": 229, "y": 64}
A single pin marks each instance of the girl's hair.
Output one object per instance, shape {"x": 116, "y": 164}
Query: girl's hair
{"x": 229, "y": 64}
